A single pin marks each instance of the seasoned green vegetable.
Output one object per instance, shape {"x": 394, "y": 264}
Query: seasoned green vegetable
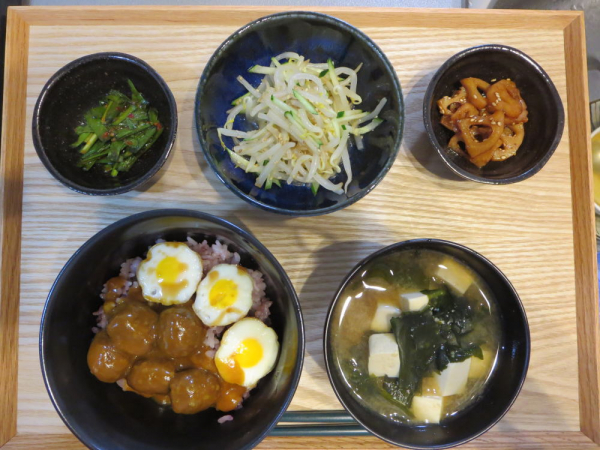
{"x": 116, "y": 133}
{"x": 430, "y": 339}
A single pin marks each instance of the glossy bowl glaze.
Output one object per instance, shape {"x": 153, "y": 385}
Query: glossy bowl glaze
{"x": 76, "y": 88}
{"x": 102, "y": 415}
{"x": 546, "y": 115}
{"x": 317, "y": 37}
{"x": 501, "y": 389}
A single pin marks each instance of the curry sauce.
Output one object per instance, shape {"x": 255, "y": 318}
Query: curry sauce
{"x": 158, "y": 352}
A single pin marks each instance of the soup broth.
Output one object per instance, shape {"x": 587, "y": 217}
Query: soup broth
{"x": 415, "y": 336}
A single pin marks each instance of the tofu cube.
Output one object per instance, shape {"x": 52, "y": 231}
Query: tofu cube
{"x": 383, "y": 315}
{"x": 453, "y": 378}
{"x": 413, "y": 301}
{"x": 427, "y": 409}
{"x": 480, "y": 367}
{"x": 384, "y": 358}
{"x": 455, "y": 275}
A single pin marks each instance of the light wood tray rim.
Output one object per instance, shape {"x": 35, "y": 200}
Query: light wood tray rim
{"x": 20, "y": 19}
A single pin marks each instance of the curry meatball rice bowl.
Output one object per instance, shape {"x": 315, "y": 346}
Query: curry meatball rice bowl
{"x": 187, "y": 326}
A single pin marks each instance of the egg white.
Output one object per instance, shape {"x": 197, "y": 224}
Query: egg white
{"x": 232, "y": 344}
{"x": 231, "y": 284}
{"x": 170, "y": 273}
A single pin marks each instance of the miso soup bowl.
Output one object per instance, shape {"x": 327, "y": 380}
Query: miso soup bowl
{"x": 102, "y": 415}
{"x": 499, "y": 392}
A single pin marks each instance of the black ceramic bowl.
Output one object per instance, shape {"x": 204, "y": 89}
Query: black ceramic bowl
{"x": 102, "y": 415}
{"x": 76, "y": 88}
{"x": 502, "y": 387}
{"x": 317, "y": 37}
{"x": 546, "y": 115}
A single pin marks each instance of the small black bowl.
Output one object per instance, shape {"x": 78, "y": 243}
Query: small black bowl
{"x": 102, "y": 415}
{"x": 317, "y": 37}
{"x": 546, "y": 115}
{"x": 502, "y": 387}
{"x": 76, "y": 88}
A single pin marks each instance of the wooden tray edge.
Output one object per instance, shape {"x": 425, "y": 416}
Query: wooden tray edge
{"x": 168, "y": 15}
{"x": 584, "y": 234}
{"x": 11, "y": 196}
{"x": 532, "y": 440}
{"x": 11, "y": 190}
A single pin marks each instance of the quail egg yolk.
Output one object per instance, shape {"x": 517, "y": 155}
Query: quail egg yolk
{"x": 223, "y": 294}
{"x": 248, "y": 354}
{"x": 168, "y": 271}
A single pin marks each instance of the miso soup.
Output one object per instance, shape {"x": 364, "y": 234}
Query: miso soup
{"x": 415, "y": 336}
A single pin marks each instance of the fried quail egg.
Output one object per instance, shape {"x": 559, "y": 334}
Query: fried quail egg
{"x": 224, "y": 295}
{"x": 170, "y": 273}
{"x": 247, "y": 353}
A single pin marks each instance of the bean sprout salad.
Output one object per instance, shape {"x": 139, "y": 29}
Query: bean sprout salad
{"x": 305, "y": 118}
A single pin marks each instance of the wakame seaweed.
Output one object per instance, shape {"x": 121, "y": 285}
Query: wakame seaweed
{"x": 419, "y": 338}
{"x": 117, "y": 132}
{"x": 392, "y": 273}
{"x": 364, "y": 385}
{"x": 429, "y": 340}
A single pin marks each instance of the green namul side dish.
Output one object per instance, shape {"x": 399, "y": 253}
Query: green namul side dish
{"x": 117, "y": 132}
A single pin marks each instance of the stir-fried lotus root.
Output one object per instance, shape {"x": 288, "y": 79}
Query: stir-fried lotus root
{"x": 487, "y": 120}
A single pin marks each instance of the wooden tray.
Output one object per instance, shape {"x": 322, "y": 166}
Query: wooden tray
{"x": 539, "y": 232}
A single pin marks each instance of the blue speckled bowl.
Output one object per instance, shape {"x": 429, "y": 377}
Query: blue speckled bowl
{"x": 317, "y": 37}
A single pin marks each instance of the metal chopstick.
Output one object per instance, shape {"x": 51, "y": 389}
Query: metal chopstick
{"x": 317, "y": 417}
{"x": 319, "y": 430}
{"x": 318, "y": 423}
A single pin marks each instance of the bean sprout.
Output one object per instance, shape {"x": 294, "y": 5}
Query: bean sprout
{"x": 305, "y": 117}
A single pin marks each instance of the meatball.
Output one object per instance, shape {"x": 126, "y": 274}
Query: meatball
{"x": 114, "y": 288}
{"x": 230, "y": 397}
{"x": 151, "y": 376}
{"x": 106, "y": 362}
{"x": 135, "y": 294}
{"x": 201, "y": 360}
{"x": 180, "y": 332}
{"x": 132, "y": 328}
{"x": 194, "y": 390}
